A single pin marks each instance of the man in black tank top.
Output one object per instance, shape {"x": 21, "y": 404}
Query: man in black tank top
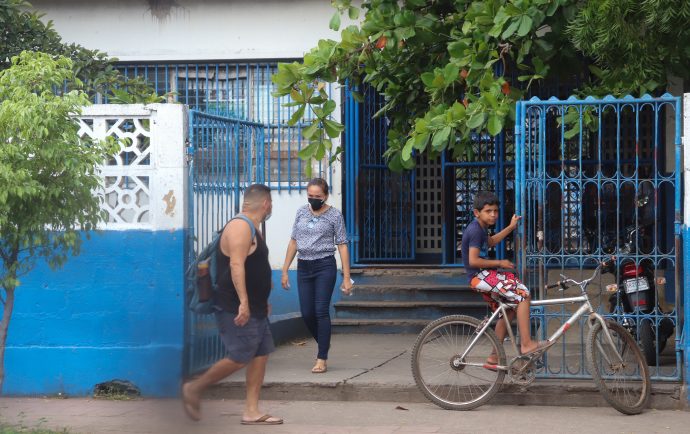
{"x": 244, "y": 284}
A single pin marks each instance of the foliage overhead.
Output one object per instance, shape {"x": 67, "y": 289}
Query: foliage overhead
{"x": 23, "y": 30}
{"x": 452, "y": 70}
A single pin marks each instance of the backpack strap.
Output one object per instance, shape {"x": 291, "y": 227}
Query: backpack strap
{"x": 249, "y": 222}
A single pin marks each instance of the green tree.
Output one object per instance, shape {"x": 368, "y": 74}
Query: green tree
{"x": 24, "y": 30}
{"x": 48, "y": 175}
{"x": 435, "y": 63}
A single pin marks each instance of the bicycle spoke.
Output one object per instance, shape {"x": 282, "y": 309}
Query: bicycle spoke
{"x": 443, "y": 376}
{"x": 618, "y": 368}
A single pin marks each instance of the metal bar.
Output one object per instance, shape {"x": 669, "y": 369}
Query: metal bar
{"x": 558, "y": 301}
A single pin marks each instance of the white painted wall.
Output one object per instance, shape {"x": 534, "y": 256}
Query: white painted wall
{"x": 194, "y": 30}
{"x": 686, "y": 155}
{"x": 165, "y": 197}
{"x": 223, "y": 30}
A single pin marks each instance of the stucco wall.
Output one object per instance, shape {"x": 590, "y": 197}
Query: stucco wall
{"x": 193, "y": 29}
{"x": 113, "y": 312}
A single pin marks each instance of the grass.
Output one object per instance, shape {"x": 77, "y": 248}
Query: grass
{"x": 17, "y": 430}
{"x": 9, "y": 429}
{"x": 23, "y": 428}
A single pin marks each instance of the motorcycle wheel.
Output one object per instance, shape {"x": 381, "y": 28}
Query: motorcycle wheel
{"x": 647, "y": 339}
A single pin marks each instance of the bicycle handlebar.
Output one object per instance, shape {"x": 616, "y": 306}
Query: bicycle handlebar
{"x": 560, "y": 283}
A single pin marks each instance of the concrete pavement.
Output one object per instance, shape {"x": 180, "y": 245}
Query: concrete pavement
{"x": 368, "y": 389}
{"x": 364, "y": 367}
{"x": 331, "y": 417}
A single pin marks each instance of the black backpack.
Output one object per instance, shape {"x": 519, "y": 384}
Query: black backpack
{"x": 209, "y": 256}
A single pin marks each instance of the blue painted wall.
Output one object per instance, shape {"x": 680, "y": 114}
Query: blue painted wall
{"x": 685, "y": 337}
{"x": 113, "y": 312}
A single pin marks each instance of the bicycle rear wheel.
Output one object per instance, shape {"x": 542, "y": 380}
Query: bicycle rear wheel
{"x": 443, "y": 377}
{"x": 625, "y": 385}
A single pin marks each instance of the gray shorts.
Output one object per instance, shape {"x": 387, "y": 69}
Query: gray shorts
{"x": 242, "y": 344}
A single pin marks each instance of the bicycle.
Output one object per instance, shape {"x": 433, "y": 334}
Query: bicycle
{"x": 458, "y": 347}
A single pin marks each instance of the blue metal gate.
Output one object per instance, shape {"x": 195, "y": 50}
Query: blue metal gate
{"x": 224, "y": 156}
{"x": 589, "y": 171}
{"x": 382, "y": 208}
{"x": 489, "y": 167}
{"x": 379, "y": 203}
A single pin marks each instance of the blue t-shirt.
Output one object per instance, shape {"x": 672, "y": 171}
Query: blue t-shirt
{"x": 474, "y": 236}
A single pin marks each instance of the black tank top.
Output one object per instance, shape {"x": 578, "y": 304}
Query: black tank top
{"x": 257, "y": 273}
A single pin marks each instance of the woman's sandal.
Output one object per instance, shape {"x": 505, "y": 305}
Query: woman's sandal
{"x": 319, "y": 369}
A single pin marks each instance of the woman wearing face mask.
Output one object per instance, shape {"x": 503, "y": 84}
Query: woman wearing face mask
{"x": 318, "y": 231}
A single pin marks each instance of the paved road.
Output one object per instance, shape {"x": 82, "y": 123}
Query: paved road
{"x": 309, "y": 417}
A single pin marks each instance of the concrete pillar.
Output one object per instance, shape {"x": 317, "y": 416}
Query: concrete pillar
{"x": 685, "y": 313}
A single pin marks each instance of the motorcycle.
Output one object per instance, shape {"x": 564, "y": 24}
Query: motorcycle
{"x": 635, "y": 291}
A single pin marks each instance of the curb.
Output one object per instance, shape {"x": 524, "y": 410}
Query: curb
{"x": 665, "y": 396}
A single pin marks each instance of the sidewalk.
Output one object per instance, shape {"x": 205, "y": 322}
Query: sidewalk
{"x": 369, "y": 367}
{"x": 308, "y": 417}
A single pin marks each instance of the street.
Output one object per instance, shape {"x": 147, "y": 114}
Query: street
{"x": 333, "y": 417}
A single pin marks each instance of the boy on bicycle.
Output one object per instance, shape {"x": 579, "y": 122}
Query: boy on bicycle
{"x": 485, "y": 277}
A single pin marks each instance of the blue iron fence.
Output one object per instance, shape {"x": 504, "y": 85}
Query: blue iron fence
{"x": 595, "y": 178}
{"x": 241, "y": 92}
{"x": 491, "y": 167}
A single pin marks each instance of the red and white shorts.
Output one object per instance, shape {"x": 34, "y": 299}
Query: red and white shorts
{"x": 500, "y": 286}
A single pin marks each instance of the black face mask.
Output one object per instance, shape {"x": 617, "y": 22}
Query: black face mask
{"x": 316, "y": 204}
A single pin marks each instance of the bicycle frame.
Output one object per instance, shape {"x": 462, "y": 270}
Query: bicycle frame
{"x": 586, "y": 307}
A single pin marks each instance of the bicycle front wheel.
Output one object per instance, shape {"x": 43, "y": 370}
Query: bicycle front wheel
{"x": 444, "y": 376}
{"x": 619, "y": 371}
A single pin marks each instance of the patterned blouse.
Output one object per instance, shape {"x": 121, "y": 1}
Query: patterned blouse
{"x": 317, "y": 236}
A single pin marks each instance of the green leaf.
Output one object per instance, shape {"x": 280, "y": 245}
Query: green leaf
{"x": 395, "y": 163}
{"x": 457, "y": 49}
{"x": 525, "y": 25}
{"x": 332, "y": 128}
{"x": 440, "y": 139}
{"x": 297, "y": 115}
{"x": 321, "y": 150}
{"x": 511, "y": 29}
{"x": 495, "y": 124}
{"x": 476, "y": 120}
{"x": 334, "y": 24}
{"x": 329, "y": 107}
{"x": 353, "y": 12}
{"x": 574, "y": 131}
{"x": 296, "y": 96}
{"x": 308, "y": 151}
{"x": 310, "y": 131}
{"x": 407, "y": 149}
{"x": 490, "y": 99}
{"x": 552, "y": 8}
{"x": 421, "y": 140}
{"x": 450, "y": 73}
{"x": 421, "y": 126}
{"x": 428, "y": 79}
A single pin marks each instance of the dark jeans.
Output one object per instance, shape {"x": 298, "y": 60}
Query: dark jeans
{"x": 315, "y": 281}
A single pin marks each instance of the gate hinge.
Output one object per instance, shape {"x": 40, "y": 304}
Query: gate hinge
{"x": 189, "y": 151}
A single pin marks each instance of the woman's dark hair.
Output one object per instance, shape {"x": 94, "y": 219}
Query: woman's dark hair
{"x": 320, "y": 182}
{"x": 484, "y": 198}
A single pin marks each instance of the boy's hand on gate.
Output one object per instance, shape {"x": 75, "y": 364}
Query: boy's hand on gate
{"x": 514, "y": 221}
{"x": 504, "y": 263}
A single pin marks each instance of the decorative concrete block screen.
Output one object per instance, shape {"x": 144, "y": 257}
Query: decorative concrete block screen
{"x": 116, "y": 310}
{"x": 144, "y": 181}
